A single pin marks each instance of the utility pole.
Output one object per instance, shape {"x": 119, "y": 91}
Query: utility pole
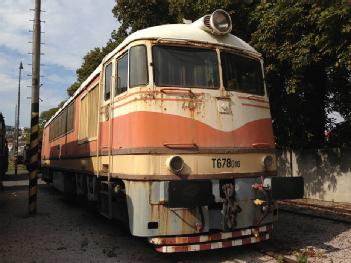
{"x": 17, "y": 116}
{"x": 34, "y": 135}
{"x": 14, "y": 140}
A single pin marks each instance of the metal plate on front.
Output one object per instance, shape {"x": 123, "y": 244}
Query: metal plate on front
{"x": 189, "y": 194}
{"x": 224, "y": 105}
{"x": 285, "y": 187}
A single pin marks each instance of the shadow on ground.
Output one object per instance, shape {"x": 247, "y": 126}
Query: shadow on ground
{"x": 75, "y": 232}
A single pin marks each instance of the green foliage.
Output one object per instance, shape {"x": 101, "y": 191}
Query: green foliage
{"x": 46, "y": 115}
{"x": 135, "y": 15}
{"x": 239, "y": 11}
{"x": 26, "y": 135}
{"x": 90, "y": 62}
{"x": 73, "y": 88}
{"x": 280, "y": 259}
{"x": 301, "y": 258}
{"x": 132, "y": 19}
{"x": 305, "y": 44}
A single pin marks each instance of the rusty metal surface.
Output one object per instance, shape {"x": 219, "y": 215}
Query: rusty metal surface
{"x": 147, "y": 202}
{"x": 212, "y": 245}
{"x": 216, "y": 236}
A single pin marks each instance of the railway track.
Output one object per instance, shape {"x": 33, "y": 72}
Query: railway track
{"x": 339, "y": 212}
{"x": 309, "y": 211}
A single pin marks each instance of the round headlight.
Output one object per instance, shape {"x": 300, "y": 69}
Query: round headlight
{"x": 267, "y": 161}
{"x": 221, "y": 22}
{"x": 175, "y": 164}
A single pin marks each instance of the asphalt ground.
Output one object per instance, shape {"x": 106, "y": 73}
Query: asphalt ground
{"x": 74, "y": 232}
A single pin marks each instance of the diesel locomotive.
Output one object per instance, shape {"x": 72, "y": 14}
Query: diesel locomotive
{"x": 172, "y": 133}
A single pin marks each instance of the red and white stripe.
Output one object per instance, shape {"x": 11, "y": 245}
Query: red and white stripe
{"x": 211, "y": 241}
{"x": 212, "y": 245}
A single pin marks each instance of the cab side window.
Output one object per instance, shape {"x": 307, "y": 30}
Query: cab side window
{"x": 108, "y": 76}
{"x": 122, "y": 74}
{"x": 138, "y": 74}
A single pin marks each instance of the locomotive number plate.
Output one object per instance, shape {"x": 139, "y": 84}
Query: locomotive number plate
{"x": 225, "y": 163}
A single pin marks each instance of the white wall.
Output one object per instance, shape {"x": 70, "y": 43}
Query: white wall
{"x": 327, "y": 172}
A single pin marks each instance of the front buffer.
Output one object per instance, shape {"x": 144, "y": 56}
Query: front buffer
{"x": 194, "y": 215}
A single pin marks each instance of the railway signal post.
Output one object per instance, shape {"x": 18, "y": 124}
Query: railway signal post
{"x": 34, "y": 136}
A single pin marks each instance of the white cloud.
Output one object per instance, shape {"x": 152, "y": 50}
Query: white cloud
{"x": 8, "y": 99}
{"x": 72, "y": 28}
{"x": 14, "y": 24}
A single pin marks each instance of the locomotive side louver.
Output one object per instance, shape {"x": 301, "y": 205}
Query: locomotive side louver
{"x": 207, "y": 21}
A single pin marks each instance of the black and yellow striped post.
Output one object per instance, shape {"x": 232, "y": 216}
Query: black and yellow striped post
{"x": 34, "y": 135}
{"x": 34, "y": 159}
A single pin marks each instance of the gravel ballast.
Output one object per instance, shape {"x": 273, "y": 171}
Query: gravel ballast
{"x": 73, "y": 232}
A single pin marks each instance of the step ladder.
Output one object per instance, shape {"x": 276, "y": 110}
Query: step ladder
{"x": 105, "y": 198}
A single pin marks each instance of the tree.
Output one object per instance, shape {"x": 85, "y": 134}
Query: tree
{"x": 306, "y": 46}
{"x": 135, "y": 15}
{"x": 73, "y": 88}
{"x": 160, "y": 12}
{"x": 239, "y": 10}
{"x": 46, "y": 115}
{"x": 90, "y": 62}
{"x": 153, "y": 13}
{"x": 94, "y": 57}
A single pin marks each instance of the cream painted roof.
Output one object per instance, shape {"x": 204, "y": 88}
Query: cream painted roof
{"x": 188, "y": 32}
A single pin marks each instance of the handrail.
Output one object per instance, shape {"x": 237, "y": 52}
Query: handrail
{"x": 261, "y": 145}
{"x": 177, "y": 91}
{"x": 160, "y": 39}
{"x": 256, "y": 98}
{"x": 181, "y": 146}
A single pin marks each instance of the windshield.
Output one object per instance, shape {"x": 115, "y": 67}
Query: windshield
{"x": 242, "y": 74}
{"x": 185, "y": 67}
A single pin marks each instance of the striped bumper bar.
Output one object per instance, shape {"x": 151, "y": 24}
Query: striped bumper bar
{"x": 211, "y": 241}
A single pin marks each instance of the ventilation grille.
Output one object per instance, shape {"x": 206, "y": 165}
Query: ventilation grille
{"x": 207, "y": 21}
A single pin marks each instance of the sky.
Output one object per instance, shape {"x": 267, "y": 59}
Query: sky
{"x": 71, "y": 29}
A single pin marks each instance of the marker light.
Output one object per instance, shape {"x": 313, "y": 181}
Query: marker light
{"x": 175, "y": 164}
{"x": 267, "y": 161}
{"x": 221, "y": 22}
{"x": 218, "y": 23}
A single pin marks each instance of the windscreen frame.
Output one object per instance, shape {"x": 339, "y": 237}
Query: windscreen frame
{"x": 189, "y": 47}
{"x": 257, "y": 59}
